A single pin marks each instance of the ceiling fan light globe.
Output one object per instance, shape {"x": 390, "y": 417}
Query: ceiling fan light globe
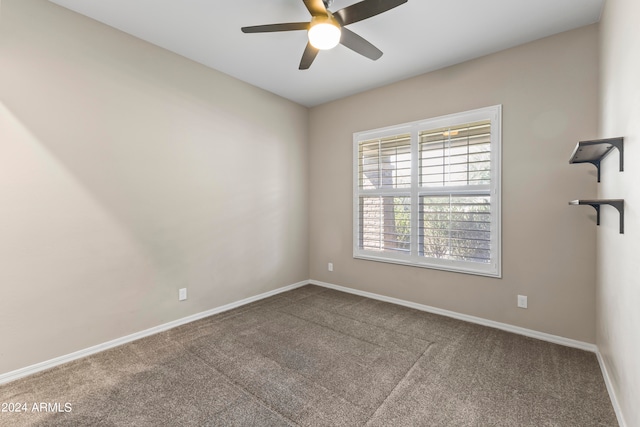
{"x": 324, "y": 35}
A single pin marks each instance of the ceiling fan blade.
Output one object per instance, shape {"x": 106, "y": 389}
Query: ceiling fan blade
{"x": 308, "y": 56}
{"x": 270, "y": 28}
{"x": 365, "y": 9}
{"x": 359, "y": 45}
{"x": 315, "y": 7}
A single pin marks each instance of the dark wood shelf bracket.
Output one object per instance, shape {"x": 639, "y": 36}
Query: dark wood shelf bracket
{"x": 594, "y": 151}
{"x": 616, "y": 203}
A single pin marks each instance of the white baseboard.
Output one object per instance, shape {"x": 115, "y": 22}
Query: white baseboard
{"x": 30, "y": 370}
{"x": 498, "y": 325}
{"x": 610, "y": 389}
{"x": 480, "y": 321}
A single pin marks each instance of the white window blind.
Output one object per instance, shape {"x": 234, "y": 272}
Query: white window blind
{"x": 385, "y": 163}
{"x": 427, "y": 193}
{"x": 386, "y": 223}
{"x": 384, "y": 173}
{"x": 457, "y": 155}
{"x": 456, "y": 227}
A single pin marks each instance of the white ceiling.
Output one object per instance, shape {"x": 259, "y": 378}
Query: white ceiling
{"x": 416, "y": 37}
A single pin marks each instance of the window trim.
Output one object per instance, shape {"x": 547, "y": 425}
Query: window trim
{"x": 492, "y": 269}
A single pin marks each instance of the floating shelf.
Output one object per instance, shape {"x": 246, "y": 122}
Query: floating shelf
{"x": 594, "y": 151}
{"x": 596, "y": 203}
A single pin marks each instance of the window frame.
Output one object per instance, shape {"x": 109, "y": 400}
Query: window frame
{"x": 415, "y": 191}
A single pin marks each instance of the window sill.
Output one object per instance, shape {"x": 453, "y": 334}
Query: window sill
{"x": 420, "y": 262}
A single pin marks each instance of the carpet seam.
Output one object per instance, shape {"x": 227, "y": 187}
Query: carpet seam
{"x": 353, "y": 336}
{"x": 372, "y": 324}
{"x": 285, "y": 369}
{"x": 398, "y": 384}
{"x": 238, "y": 386}
{"x": 288, "y": 370}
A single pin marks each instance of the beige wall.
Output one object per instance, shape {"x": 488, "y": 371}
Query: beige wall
{"x": 127, "y": 172}
{"x": 548, "y": 90}
{"x": 618, "y": 291}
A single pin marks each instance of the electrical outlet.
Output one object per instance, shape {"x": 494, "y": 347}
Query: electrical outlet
{"x": 330, "y": 266}
{"x": 182, "y": 294}
{"x": 522, "y": 301}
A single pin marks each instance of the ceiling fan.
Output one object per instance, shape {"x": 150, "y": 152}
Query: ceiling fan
{"x": 326, "y": 29}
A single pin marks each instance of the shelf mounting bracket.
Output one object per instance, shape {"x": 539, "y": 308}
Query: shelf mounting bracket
{"x": 595, "y": 204}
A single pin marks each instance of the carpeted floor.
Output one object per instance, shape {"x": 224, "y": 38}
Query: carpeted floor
{"x": 318, "y": 357}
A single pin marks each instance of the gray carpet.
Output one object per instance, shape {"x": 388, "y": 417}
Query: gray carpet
{"x": 318, "y": 357}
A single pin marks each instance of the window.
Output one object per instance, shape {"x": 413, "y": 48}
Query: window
{"x": 427, "y": 193}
